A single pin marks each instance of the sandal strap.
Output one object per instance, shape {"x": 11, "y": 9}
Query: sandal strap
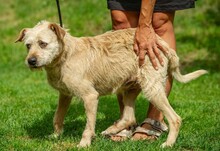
{"x": 124, "y": 133}
{"x": 146, "y": 131}
{"x": 155, "y": 125}
{"x": 127, "y": 132}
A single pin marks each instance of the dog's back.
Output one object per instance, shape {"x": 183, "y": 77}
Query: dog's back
{"x": 108, "y": 59}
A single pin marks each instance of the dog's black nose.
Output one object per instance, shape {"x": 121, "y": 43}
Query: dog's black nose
{"x": 32, "y": 61}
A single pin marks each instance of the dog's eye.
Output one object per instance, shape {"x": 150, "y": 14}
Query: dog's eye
{"x": 42, "y": 44}
{"x": 28, "y": 46}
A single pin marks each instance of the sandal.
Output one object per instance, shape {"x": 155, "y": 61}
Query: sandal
{"x": 123, "y": 134}
{"x": 157, "y": 128}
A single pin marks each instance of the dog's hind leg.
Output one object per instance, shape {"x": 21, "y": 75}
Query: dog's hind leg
{"x": 64, "y": 102}
{"x": 158, "y": 99}
{"x": 127, "y": 119}
{"x": 153, "y": 87}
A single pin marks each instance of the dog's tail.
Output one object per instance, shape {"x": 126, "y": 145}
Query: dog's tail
{"x": 188, "y": 77}
{"x": 174, "y": 66}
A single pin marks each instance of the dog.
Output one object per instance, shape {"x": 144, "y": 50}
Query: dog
{"x": 89, "y": 67}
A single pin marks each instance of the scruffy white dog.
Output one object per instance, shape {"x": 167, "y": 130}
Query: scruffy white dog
{"x": 89, "y": 67}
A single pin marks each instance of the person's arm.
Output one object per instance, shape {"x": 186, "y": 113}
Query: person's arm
{"x": 145, "y": 37}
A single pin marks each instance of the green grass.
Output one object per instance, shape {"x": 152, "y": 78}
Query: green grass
{"x": 27, "y": 102}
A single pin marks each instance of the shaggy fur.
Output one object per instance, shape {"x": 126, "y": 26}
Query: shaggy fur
{"x": 89, "y": 67}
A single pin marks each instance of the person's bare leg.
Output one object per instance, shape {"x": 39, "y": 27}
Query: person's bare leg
{"x": 122, "y": 20}
{"x": 163, "y": 26}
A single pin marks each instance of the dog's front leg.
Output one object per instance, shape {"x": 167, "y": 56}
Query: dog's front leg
{"x": 64, "y": 102}
{"x": 90, "y": 104}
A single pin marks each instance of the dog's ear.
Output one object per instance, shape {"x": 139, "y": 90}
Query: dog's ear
{"x": 59, "y": 31}
{"x": 21, "y": 35}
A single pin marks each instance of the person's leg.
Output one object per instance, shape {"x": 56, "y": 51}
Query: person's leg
{"x": 163, "y": 26}
{"x": 122, "y": 20}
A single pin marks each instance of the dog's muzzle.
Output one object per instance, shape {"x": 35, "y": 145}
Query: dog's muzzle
{"x": 32, "y": 62}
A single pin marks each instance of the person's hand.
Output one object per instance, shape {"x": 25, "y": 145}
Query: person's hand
{"x": 145, "y": 42}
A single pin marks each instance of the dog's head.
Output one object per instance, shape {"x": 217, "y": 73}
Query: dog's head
{"x": 44, "y": 43}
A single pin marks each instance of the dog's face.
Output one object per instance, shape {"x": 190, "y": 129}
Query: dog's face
{"x": 43, "y": 42}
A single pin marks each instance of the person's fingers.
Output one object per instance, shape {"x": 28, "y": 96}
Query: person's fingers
{"x": 136, "y": 49}
{"x": 142, "y": 54}
{"x": 158, "y": 55}
{"x": 152, "y": 58}
{"x": 162, "y": 48}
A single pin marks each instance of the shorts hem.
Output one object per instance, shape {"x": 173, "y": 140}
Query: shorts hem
{"x": 165, "y": 7}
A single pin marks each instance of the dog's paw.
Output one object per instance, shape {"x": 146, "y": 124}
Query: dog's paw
{"x": 107, "y": 133}
{"x": 104, "y": 133}
{"x": 111, "y": 130}
{"x": 84, "y": 143}
{"x": 165, "y": 145}
{"x": 54, "y": 136}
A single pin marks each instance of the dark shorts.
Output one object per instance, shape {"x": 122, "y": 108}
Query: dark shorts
{"x": 160, "y": 6}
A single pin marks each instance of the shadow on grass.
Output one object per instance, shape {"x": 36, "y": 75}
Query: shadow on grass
{"x": 43, "y": 127}
{"x": 75, "y": 120}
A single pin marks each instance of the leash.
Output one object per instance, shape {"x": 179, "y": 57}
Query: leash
{"x": 59, "y": 13}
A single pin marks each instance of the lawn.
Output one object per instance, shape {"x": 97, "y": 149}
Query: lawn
{"x": 27, "y": 102}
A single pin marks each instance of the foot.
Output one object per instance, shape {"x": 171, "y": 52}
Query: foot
{"x": 142, "y": 135}
{"x": 149, "y": 130}
{"x": 123, "y": 134}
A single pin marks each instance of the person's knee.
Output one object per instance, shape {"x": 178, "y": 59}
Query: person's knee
{"x": 162, "y": 22}
{"x": 119, "y": 23}
{"x": 119, "y": 20}
{"x": 124, "y": 19}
